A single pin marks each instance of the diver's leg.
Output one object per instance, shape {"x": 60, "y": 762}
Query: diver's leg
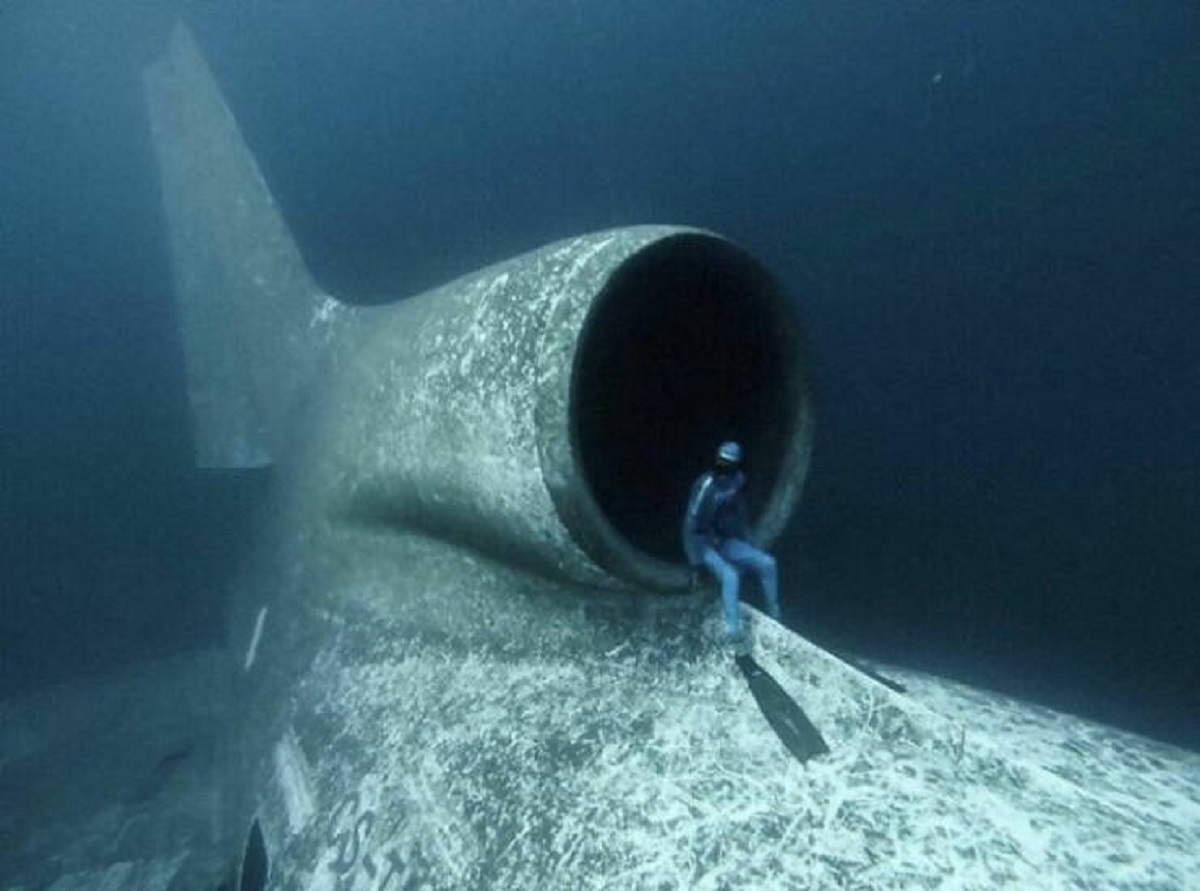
{"x": 728, "y": 576}
{"x": 742, "y": 553}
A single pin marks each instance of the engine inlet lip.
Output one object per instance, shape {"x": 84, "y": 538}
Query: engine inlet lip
{"x": 563, "y": 444}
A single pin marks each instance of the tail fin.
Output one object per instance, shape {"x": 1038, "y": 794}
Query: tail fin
{"x": 251, "y": 316}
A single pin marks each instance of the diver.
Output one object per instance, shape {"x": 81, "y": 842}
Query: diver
{"x": 716, "y": 535}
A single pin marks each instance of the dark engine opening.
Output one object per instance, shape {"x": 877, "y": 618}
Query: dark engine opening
{"x": 690, "y": 343}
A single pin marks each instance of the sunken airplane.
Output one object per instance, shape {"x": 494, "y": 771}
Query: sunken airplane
{"x": 465, "y": 654}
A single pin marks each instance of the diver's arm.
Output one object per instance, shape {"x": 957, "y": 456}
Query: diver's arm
{"x": 698, "y": 521}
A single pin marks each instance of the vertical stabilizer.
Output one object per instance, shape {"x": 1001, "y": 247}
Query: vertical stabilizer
{"x": 251, "y": 316}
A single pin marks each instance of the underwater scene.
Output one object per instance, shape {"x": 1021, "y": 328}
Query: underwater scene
{"x": 599, "y": 444}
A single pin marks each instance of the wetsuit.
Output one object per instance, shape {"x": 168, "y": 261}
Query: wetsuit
{"x": 715, "y": 535}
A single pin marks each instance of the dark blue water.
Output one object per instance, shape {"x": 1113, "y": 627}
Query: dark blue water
{"x": 989, "y": 212}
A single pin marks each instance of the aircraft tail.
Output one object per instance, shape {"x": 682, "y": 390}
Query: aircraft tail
{"x": 251, "y": 316}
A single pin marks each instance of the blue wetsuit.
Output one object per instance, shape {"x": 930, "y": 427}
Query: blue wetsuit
{"x": 715, "y": 534}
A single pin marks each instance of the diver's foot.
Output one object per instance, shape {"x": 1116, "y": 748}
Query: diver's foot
{"x": 736, "y": 642}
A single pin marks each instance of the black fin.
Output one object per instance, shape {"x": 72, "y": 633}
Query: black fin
{"x": 783, "y": 713}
